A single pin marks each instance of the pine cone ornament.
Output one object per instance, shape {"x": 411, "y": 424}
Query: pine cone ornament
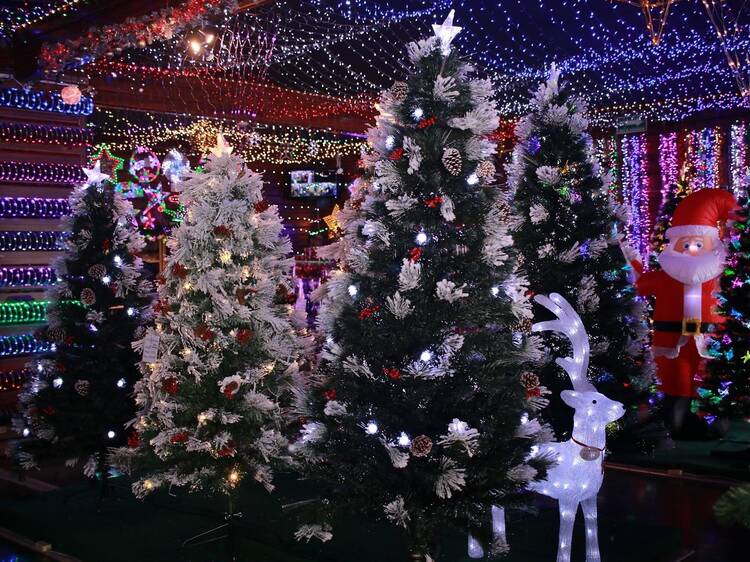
{"x": 97, "y": 271}
{"x": 421, "y": 446}
{"x": 529, "y": 380}
{"x": 486, "y": 170}
{"x": 56, "y": 334}
{"x": 399, "y": 90}
{"x": 524, "y": 326}
{"x": 81, "y": 386}
{"x": 88, "y": 296}
{"x": 452, "y": 161}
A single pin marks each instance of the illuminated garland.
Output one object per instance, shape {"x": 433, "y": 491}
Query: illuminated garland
{"x": 31, "y": 241}
{"x": 27, "y": 133}
{"x": 33, "y": 13}
{"x": 43, "y": 101}
{"x": 27, "y": 276}
{"x": 23, "y": 344}
{"x": 667, "y": 166}
{"x": 13, "y": 380}
{"x": 23, "y": 312}
{"x": 105, "y": 40}
{"x": 635, "y": 191}
{"x": 738, "y": 170}
{"x": 705, "y": 145}
{"x": 33, "y": 207}
{"x": 41, "y": 173}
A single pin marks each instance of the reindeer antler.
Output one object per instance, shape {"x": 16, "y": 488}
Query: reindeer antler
{"x": 569, "y": 323}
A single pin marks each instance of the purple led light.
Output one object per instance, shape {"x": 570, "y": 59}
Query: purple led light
{"x": 27, "y": 276}
{"x": 28, "y": 133}
{"x": 33, "y": 207}
{"x": 41, "y": 173}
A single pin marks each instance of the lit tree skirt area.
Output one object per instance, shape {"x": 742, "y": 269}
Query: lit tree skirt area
{"x": 639, "y": 520}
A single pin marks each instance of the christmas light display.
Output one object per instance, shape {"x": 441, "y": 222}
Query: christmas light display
{"x": 27, "y": 276}
{"x": 668, "y": 169}
{"x": 33, "y": 13}
{"x": 144, "y": 164}
{"x": 635, "y": 190}
{"x": 43, "y": 101}
{"x": 23, "y": 312}
{"x": 40, "y": 173}
{"x": 22, "y": 344}
{"x": 705, "y": 145}
{"x": 738, "y": 157}
{"x": 33, "y": 207}
{"x": 29, "y": 133}
{"x": 13, "y": 380}
{"x": 108, "y": 163}
{"x": 35, "y": 241}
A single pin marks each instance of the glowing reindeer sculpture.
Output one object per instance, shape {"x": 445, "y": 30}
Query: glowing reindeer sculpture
{"x": 577, "y": 476}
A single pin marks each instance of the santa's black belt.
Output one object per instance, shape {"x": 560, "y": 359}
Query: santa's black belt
{"x": 686, "y": 327}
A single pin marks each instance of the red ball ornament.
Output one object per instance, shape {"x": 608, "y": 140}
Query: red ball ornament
{"x": 330, "y": 394}
{"x": 230, "y": 390}
{"x": 180, "y": 437}
{"x": 228, "y": 450}
{"x": 244, "y": 335}
{"x": 393, "y": 373}
{"x": 397, "y": 154}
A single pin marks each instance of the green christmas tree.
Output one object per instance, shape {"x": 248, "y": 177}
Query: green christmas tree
{"x": 726, "y": 389}
{"x": 213, "y": 402}
{"x": 421, "y": 413}
{"x": 76, "y": 404}
{"x": 569, "y": 243}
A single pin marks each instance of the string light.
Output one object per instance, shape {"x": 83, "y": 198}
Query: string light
{"x": 635, "y": 189}
{"x": 33, "y": 207}
{"x": 22, "y": 344}
{"x": 41, "y": 241}
{"x": 23, "y": 312}
{"x": 738, "y": 169}
{"x": 27, "y": 276}
{"x": 29, "y": 133}
{"x": 41, "y": 172}
{"x": 13, "y": 380}
{"x": 37, "y": 100}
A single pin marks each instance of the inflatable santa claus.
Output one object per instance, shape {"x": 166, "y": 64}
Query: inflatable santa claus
{"x": 685, "y": 293}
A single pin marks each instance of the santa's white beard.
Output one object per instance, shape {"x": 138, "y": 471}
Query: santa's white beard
{"x": 692, "y": 270}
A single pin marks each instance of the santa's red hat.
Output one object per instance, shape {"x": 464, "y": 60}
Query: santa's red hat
{"x": 700, "y": 213}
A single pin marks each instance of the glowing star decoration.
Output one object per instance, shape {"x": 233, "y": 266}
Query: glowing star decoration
{"x": 332, "y": 220}
{"x": 446, "y": 33}
{"x": 221, "y": 148}
{"x": 109, "y": 163}
{"x": 94, "y": 175}
{"x": 576, "y": 478}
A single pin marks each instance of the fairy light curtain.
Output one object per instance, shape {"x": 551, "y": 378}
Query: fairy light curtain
{"x": 644, "y": 169}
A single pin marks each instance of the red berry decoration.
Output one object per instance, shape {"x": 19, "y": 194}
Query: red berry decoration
{"x": 393, "y": 373}
{"x": 369, "y": 311}
{"x": 397, "y": 154}
{"x": 204, "y": 332}
{"x": 227, "y": 451}
{"x": 222, "y": 231}
{"x": 434, "y": 202}
{"x": 415, "y": 254}
{"x": 244, "y": 335}
{"x": 180, "y": 437}
{"x": 134, "y": 440}
{"x": 330, "y": 394}
{"x": 230, "y": 390}
{"x": 427, "y": 122}
{"x": 179, "y": 270}
{"x": 261, "y": 206}
{"x": 170, "y": 385}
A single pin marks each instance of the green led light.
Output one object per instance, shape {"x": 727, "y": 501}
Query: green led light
{"x": 25, "y": 312}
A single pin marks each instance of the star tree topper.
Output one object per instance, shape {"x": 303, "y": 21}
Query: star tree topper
{"x": 446, "y": 33}
{"x": 221, "y": 148}
{"x": 94, "y": 175}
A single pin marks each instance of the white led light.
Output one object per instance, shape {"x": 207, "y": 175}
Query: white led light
{"x": 390, "y": 140}
{"x": 121, "y": 383}
{"x": 106, "y": 279}
{"x": 111, "y": 434}
{"x": 118, "y": 261}
{"x": 93, "y": 328}
{"x": 39, "y": 368}
{"x": 473, "y": 179}
{"x": 425, "y": 356}
{"x": 130, "y": 311}
{"x": 372, "y": 428}
{"x": 495, "y": 290}
{"x": 57, "y": 382}
{"x": 352, "y": 289}
{"x": 418, "y": 113}
{"x": 26, "y": 432}
{"x": 404, "y": 440}
{"x": 421, "y": 238}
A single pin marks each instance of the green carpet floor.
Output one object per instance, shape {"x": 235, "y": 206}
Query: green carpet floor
{"x": 152, "y": 531}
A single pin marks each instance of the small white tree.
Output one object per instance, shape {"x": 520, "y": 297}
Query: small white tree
{"x": 213, "y": 404}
